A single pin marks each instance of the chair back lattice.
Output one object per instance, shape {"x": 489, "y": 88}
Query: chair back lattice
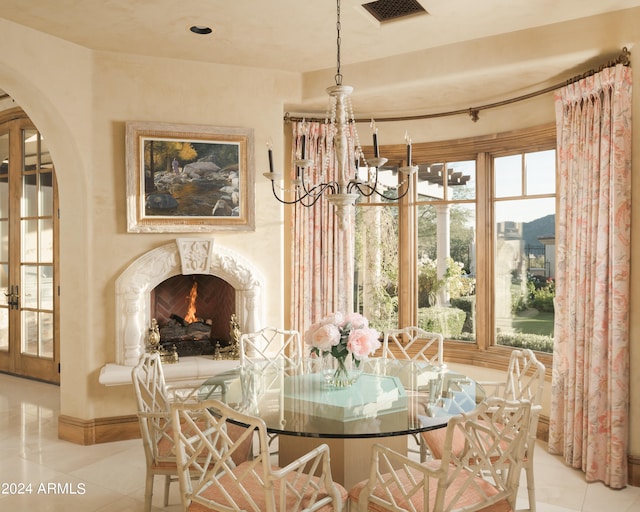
{"x": 153, "y": 409}
{"x": 414, "y": 344}
{"x": 270, "y": 344}
{"x": 493, "y": 437}
{"x": 209, "y": 476}
{"x": 525, "y": 381}
{"x": 525, "y": 377}
{"x": 494, "y": 444}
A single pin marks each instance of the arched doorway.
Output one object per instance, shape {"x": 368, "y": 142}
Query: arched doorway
{"x": 29, "y": 341}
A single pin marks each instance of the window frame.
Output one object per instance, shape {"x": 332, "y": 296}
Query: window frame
{"x": 484, "y": 352}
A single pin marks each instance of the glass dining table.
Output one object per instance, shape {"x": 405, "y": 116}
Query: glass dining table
{"x": 391, "y": 400}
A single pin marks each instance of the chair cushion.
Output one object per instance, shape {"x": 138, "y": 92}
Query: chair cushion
{"x": 470, "y": 497}
{"x": 434, "y": 439}
{"x": 166, "y": 447}
{"x": 256, "y": 490}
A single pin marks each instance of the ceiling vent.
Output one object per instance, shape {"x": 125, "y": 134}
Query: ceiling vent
{"x": 388, "y": 10}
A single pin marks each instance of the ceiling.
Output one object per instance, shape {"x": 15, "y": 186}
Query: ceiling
{"x": 289, "y": 35}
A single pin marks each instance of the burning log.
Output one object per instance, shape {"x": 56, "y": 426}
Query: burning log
{"x": 178, "y": 319}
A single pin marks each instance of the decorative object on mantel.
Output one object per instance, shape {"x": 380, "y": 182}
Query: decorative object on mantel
{"x": 233, "y": 350}
{"x": 341, "y": 342}
{"x": 195, "y": 255}
{"x": 167, "y": 356}
{"x": 343, "y": 147}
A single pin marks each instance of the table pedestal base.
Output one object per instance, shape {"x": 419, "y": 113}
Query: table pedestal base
{"x": 350, "y": 458}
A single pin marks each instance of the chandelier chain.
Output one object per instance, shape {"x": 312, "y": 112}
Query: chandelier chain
{"x": 334, "y": 149}
{"x": 338, "y": 41}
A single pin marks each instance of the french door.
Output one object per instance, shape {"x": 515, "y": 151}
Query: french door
{"x": 29, "y": 343}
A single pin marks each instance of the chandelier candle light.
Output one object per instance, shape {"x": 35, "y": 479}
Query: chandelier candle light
{"x": 346, "y": 189}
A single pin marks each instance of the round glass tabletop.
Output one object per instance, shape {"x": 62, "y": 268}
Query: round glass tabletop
{"x": 391, "y": 397}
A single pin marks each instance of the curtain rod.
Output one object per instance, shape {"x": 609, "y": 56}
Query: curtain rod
{"x": 474, "y": 112}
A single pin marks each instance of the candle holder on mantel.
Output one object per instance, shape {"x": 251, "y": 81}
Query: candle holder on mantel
{"x": 233, "y": 350}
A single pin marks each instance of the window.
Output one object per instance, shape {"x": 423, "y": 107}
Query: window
{"x": 524, "y": 249}
{"x": 470, "y": 251}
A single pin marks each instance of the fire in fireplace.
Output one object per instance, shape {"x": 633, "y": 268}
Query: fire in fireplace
{"x": 193, "y": 313}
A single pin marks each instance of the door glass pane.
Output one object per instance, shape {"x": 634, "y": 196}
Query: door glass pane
{"x": 4, "y": 329}
{"x": 4, "y": 153}
{"x": 31, "y": 155}
{"x": 4, "y": 240}
{"x": 45, "y": 156}
{"x": 4, "y": 284}
{"x": 46, "y": 240}
{"x": 4, "y": 196}
{"x": 29, "y": 241}
{"x": 46, "y": 194}
{"x": 29, "y": 207}
{"x": 46, "y": 335}
{"x": 507, "y": 172}
{"x": 30, "y": 332}
{"x": 46, "y": 287}
{"x": 29, "y": 286}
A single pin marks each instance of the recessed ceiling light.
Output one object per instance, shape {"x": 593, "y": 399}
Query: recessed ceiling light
{"x": 201, "y": 30}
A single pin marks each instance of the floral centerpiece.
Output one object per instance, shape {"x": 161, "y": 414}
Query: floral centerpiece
{"x": 346, "y": 340}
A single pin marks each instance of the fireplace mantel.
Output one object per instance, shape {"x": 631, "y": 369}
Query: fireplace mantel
{"x": 133, "y": 303}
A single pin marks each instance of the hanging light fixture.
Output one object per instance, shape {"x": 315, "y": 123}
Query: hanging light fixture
{"x": 344, "y": 191}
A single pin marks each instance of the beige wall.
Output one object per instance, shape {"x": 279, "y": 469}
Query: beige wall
{"x": 80, "y": 101}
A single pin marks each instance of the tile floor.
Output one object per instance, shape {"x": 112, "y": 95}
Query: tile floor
{"x": 109, "y": 477}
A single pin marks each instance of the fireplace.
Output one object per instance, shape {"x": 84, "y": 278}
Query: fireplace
{"x": 229, "y": 284}
{"x": 193, "y": 313}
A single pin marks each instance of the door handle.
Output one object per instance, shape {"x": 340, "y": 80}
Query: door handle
{"x": 13, "y": 297}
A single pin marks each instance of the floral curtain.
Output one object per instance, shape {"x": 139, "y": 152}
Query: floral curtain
{"x": 589, "y": 420}
{"x": 322, "y": 254}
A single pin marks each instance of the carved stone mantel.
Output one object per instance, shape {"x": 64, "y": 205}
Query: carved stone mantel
{"x": 184, "y": 256}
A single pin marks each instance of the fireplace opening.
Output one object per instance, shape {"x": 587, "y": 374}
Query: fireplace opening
{"x": 193, "y": 313}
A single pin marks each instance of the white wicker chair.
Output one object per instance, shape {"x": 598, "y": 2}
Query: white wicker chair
{"x": 525, "y": 381}
{"x": 211, "y": 479}
{"x": 154, "y": 416}
{"x": 493, "y": 435}
{"x": 155, "y": 424}
{"x": 417, "y": 345}
{"x": 271, "y": 346}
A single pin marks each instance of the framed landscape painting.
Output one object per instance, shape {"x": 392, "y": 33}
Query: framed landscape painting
{"x": 189, "y": 178}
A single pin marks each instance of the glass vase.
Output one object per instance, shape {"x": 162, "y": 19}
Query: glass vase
{"x": 340, "y": 373}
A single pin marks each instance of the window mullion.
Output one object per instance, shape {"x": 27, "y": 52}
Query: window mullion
{"x": 484, "y": 252}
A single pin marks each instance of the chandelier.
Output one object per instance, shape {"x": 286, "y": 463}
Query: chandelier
{"x": 350, "y": 183}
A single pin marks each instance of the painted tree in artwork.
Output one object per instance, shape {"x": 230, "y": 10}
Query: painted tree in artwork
{"x": 158, "y": 155}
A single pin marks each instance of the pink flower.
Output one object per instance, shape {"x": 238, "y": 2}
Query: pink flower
{"x": 325, "y": 337}
{"x": 336, "y": 319}
{"x": 356, "y": 320}
{"x": 363, "y": 342}
{"x": 308, "y": 335}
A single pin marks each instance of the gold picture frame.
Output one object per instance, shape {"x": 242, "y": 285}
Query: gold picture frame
{"x": 189, "y": 178}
